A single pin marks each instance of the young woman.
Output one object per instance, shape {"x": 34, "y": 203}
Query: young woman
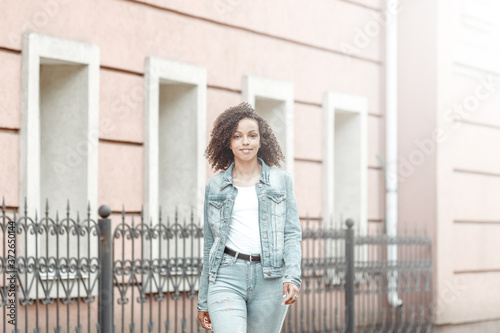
{"x": 252, "y": 255}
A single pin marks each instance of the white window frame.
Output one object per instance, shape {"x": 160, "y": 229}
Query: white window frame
{"x": 42, "y": 49}
{"x": 159, "y": 71}
{"x": 262, "y": 88}
{"x": 334, "y": 102}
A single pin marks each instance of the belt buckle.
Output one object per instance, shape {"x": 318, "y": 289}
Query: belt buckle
{"x": 250, "y": 258}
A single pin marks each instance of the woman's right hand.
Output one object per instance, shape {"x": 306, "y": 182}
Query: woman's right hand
{"x": 204, "y": 319}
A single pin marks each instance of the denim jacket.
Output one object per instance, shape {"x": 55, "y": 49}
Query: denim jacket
{"x": 279, "y": 224}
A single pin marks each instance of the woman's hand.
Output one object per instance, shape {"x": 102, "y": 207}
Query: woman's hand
{"x": 204, "y": 319}
{"x": 292, "y": 290}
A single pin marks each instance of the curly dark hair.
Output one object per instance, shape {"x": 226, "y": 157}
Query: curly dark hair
{"x": 220, "y": 156}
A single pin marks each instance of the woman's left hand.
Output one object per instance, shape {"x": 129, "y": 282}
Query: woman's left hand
{"x": 292, "y": 290}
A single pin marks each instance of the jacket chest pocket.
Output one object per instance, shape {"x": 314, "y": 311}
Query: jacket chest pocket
{"x": 277, "y": 204}
{"x": 216, "y": 208}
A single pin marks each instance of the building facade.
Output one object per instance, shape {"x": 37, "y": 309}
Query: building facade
{"x": 103, "y": 102}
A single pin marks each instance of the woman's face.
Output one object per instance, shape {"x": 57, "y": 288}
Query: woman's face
{"x": 245, "y": 141}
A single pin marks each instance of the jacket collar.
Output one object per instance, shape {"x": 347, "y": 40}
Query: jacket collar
{"x": 228, "y": 174}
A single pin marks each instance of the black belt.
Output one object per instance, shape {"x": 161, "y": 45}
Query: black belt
{"x": 247, "y": 257}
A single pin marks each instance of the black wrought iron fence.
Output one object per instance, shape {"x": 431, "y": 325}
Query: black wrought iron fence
{"x": 49, "y": 268}
{"x": 350, "y": 285}
{"x": 119, "y": 274}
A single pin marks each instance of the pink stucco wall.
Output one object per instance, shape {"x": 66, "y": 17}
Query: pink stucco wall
{"x": 452, "y": 186}
{"x": 127, "y": 32}
{"x": 299, "y": 42}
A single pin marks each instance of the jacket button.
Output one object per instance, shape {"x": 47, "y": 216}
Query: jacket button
{"x": 263, "y": 198}
{"x": 264, "y": 235}
{"x": 267, "y": 254}
{"x": 260, "y": 185}
{"x": 268, "y": 273}
{"x": 264, "y": 216}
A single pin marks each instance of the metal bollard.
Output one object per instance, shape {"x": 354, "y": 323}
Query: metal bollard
{"x": 105, "y": 316}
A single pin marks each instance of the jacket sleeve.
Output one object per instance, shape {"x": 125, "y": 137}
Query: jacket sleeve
{"x": 293, "y": 236}
{"x": 208, "y": 240}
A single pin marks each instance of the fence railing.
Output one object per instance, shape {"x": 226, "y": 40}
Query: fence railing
{"x": 47, "y": 282}
{"x": 116, "y": 274}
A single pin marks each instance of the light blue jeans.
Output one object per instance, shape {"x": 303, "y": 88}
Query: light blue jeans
{"x": 241, "y": 300}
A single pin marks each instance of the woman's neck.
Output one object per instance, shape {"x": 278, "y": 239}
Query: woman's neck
{"x": 246, "y": 170}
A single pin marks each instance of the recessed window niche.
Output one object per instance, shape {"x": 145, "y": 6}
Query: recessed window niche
{"x": 59, "y": 149}
{"x": 175, "y": 166}
{"x": 273, "y": 101}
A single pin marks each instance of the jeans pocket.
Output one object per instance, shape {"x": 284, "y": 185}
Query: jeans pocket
{"x": 227, "y": 260}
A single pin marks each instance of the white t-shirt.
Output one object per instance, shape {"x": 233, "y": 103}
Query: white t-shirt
{"x": 244, "y": 229}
